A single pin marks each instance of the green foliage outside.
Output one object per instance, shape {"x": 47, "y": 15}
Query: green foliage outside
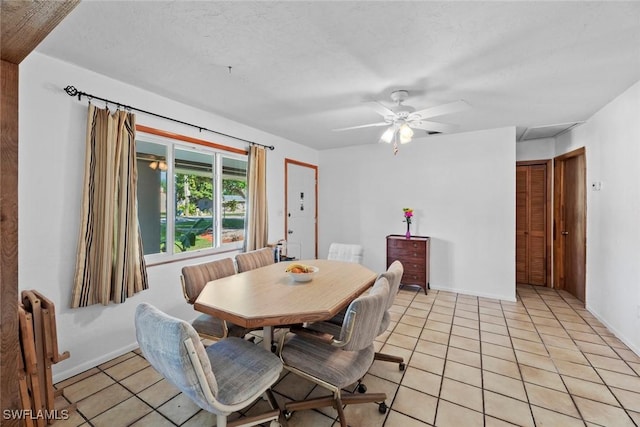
{"x": 195, "y": 233}
{"x": 190, "y": 234}
{"x": 232, "y": 187}
{"x": 199, "y": 188}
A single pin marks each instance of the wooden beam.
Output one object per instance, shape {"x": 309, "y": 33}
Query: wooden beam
{"x": 9, "y": 397}
{"x": 23, "y": 24}
{"x": 26, "y": 23}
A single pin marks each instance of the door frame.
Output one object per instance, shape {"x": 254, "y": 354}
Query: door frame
{"x": 287, "y": 162}
{"x": 558, "y": 197}
{"x": 547, "y": 212}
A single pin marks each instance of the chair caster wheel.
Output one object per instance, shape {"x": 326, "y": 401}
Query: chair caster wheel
{"x": 287, "y": 414}
{"x": 382, "y": 408}
{"x": 401, "y": 366}
{"x": 362, "y": 388}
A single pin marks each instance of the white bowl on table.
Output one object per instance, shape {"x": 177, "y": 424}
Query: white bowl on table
{"x": 304, "y": 277}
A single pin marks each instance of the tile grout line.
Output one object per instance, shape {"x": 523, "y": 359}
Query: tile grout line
{"x": 515, "y": 355}
{"x": 484, "y": 408}
{"x": 416, "y": 293}
{"x": 571, "y": 395}
{"x": 136, "y": 394}
{"x": 551, "y": 358}
{"x": 444, "y": 368}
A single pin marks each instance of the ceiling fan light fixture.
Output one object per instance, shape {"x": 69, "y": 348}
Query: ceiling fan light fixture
{"x": 388, "y": 134}
{"x": 406, "y": 133}
{"x": 401, "y": 120}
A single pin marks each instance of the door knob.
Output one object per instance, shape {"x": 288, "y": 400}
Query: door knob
{"x": 564, "y": 233}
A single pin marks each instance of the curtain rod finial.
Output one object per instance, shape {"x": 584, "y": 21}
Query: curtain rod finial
{"x": 71, "y": 90}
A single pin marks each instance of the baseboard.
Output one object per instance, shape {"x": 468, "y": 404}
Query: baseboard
{"x": 615, "y": 332}
{"x": 475, "y": 294}
{"x": 90, "y": 364}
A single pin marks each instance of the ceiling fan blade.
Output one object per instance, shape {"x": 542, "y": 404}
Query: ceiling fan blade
{"x": 439, "y": 110}
{"x": 363, "y": 126}
{"x": 433, "y": 126}
{"x": 381, "y": 109}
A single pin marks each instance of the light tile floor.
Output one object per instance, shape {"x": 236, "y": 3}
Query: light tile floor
{"x": 541, "y": 361}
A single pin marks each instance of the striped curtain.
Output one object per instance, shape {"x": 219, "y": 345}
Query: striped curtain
{"x": 109, "y": 262}
{"x": 257, "y": 221}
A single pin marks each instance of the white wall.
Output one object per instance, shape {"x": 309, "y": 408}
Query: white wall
{"x": 462, "y": 188}
{"x": 51, "y": 155}
{"x": 535, "y": 149}
{"x": 612, "y": 142}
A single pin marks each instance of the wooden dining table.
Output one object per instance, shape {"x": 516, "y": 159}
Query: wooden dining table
{"x": 268, "y": 297}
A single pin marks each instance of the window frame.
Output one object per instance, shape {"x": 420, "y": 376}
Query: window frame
{"x": 175, "y": 141}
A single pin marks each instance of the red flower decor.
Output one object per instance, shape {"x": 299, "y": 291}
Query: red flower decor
{"x": 408, "y": 214}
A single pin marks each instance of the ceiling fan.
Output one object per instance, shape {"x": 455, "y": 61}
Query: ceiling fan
{"x": 403, "y": 119}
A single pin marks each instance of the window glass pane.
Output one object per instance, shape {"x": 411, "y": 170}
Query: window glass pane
{"x": 234, "y": 191}
{"x": 194, "y": 201}
{"x": 152, "y": 195}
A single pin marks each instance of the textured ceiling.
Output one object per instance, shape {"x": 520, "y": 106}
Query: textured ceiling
{"x": 301, "y": 69}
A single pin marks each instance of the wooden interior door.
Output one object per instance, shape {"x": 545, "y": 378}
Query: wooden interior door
{"x": 570, "y": 246}
{"x": 532, "y": 223}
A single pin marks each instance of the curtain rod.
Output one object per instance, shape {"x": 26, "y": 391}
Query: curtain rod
{"x": 72, "y": 91}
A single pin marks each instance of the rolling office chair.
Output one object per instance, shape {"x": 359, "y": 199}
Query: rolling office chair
{"x": 255, "y": 259}
{"x": 394, "y": 276}
{"x": 224, "y": 378}
{"x": 345, "y": 252}
{"x": 193, "y": 279}
{"x": 336, "y": 360}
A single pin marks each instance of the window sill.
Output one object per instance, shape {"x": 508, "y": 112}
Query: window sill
{"x": 161, "y": 259}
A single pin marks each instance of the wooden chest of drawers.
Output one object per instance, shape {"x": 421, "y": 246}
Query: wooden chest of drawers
{"x": 413, "y": 253}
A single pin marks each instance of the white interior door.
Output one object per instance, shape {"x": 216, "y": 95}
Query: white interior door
{"x": 301, "y": 209}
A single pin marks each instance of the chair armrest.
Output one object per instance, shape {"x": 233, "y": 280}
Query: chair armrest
{"x": 310, "y": 333}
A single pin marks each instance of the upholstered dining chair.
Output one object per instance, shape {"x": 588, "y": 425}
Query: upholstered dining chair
{"x": 254, "y": 259}
{"x": 394, "y": 277}
{"x": 345, "y": 252}
{"x": 337, "y": 360}
{"x": 224, "y": 378}
{"x": 348, "y": 252}
{"x": 193, "y": 279}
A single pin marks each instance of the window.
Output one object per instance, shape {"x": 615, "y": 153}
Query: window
{"x": 190, "y": 197}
